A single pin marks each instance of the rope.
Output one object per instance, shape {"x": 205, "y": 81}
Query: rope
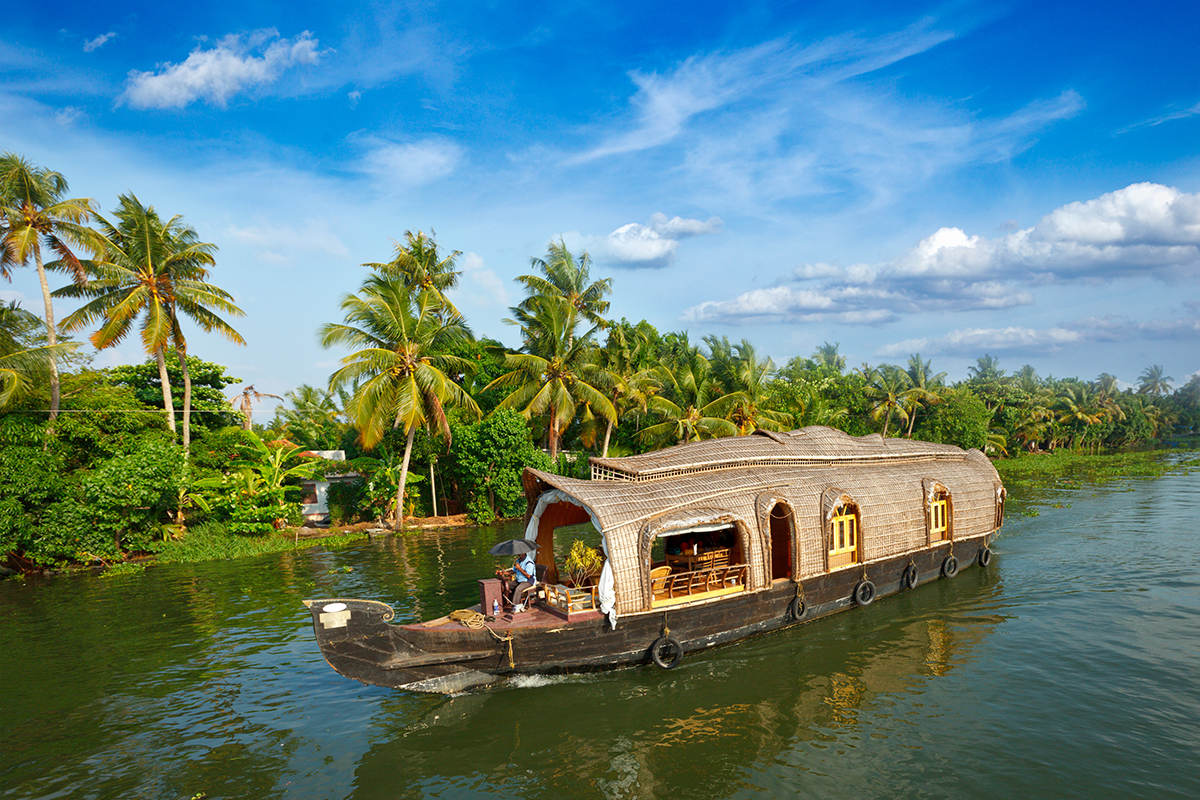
{"x": 476, "y": 621}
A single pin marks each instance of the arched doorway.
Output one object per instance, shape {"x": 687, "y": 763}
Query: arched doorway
{"x": 783, "y": 526}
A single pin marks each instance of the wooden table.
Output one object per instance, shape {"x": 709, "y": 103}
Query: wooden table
{"x": 700, "y": 560}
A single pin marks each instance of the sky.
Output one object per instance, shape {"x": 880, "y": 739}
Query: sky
{"x": 952, "y": 179}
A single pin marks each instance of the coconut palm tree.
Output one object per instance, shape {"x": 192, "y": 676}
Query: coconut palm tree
{"x": 22, "y": 365}
{"x": 1152, "y": 381}
{"x": 400, "y": 371}
{"x": 694, "y": 409}
{"x": 33, "y": 214}
{"x": 627, "y": 387}
{"x": 422, "y": 266}
{"x": 827, "y": 356}
{"x": 567, "y": 277}
{"x": 156, "y": 270}
{"x": 556, "y": 372}
{"x": 888, "y": 393}
{"x": 751, "y": 376}
{"x": 925, "y": 387}
{"x": 244, "y": 402}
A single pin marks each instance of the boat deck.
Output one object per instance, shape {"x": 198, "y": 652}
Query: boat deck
{"x": 534, "y": 617}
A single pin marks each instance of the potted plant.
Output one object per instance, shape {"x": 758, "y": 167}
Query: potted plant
{"x": 582, "y": 564}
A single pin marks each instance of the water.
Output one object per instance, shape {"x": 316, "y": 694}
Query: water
{"x": 1067, "y": 669}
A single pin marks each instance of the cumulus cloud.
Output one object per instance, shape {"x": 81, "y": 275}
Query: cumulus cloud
{"x": 411, "y": 163}
{"x": 479, "y": 286}
{"x": 215, "y": 75}
{"x": 650, "y": 245}
{"x": 969, "y": 342}
{"x": 1145, "y": 230}
{"x": 98, "y": 42}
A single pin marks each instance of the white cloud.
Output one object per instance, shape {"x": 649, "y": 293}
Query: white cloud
{"x": 481, "y": 293}
{"x": 353, "y": 97}
{"x": 411, "y": 163}
{"x": 272, "y": 241}
{"x": 1145, "y": 230}
{"x": 98, "y": 42}
{"x": 780, "y": 121}
{"x": 969, "y": 342}
{"x": 9, "y": 295}
{"x": 217, "y": 74}
{"x": 650, "y": 245}
{"x": 1159, "y": 120}
{"x": 69, "y": 115}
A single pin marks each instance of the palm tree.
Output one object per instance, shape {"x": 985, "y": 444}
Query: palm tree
{"x": 22, "y": 365}
{"x": 888, "y": 390}
{"x": 422, "y": 267}
{"x": 33, "y": 213}
{"x": 827, "y": 356}
{"x": 751, "y": 376}
{"x": 146, "y": 267}
{"x": 244, "y": 402}
{"x": 400, "y": 371}
{"x": 925, "y": 387}
{"x": 986, "y": 370}
{"x": 1152, "y": 381}
{"x": 627, "y": 387}
{"x": 566, "y": 277}
{"x": 1077, "y": 406}
{"x": 695, "y": 410}
{"x": 556, "y": 372}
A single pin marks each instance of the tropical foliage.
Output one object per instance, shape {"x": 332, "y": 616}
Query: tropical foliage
{"x": 431, "y": 419}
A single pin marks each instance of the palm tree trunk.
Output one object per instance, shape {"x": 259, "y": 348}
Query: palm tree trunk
{"x": 432, "y": 488}
{"x": 187, "y": 399}
{"x": 168, "y": 403}
{"x": 403, "y": 480}
{"x": 51, "y": 333}
{"x": 607, "y": 433}
{"x": 553, "y": 438}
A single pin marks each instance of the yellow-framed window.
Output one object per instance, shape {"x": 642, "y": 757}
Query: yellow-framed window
{"x": 939, "y": 519}
{"x": 844, "y": 537}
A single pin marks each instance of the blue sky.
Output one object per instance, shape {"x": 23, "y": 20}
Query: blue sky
{"x": 954, "y": 179}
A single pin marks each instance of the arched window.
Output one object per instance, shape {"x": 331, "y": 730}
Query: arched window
{"x": 844, "y": 544}
{"x": 939, "y": 512}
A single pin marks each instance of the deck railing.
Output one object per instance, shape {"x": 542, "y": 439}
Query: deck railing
{"x": 568, "y": 599}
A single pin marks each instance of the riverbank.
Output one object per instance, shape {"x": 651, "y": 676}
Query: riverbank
{"x": 1032, "y": 480}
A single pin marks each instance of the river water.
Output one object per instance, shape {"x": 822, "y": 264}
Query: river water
{"x": 1069, "y": 668}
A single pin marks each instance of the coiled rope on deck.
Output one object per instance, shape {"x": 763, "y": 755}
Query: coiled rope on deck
{"x": 476, "y": 621}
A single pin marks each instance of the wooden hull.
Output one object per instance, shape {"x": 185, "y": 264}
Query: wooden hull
{"x": 359, "y": 640}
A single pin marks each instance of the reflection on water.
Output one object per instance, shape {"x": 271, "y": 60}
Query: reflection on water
{"x": 1067, "y": 669}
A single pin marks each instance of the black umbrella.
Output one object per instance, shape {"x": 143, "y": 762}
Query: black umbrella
{"x": 514, "y": 547}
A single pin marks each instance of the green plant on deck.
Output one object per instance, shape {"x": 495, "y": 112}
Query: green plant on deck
{"x": 582, "y": 563}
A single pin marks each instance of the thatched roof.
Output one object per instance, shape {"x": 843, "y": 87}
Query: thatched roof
{"x": 741, "y": 478}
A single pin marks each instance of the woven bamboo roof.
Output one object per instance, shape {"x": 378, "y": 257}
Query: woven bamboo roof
{"x": 812, "y": 445}
{"x": 740, "y": 478}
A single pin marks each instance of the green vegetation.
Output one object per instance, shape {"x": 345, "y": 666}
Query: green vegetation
{"x": 431, "y": 419}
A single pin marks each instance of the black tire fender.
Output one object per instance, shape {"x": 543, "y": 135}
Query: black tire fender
{"x": 864, "y": 593}
{"x": 985, "y": 556}
{"x": 666, "y": 652}
{"x": 797, "y": 608}
{"x": 910, "y": 577}
{"x": 950, "y": 567}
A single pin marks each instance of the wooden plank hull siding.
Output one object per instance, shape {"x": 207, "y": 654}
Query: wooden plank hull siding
{"x": 775, "y": 499}
{"x": 448, "y": 657}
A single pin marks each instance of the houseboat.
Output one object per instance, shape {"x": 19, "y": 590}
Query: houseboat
{"x": 704, "y": 543}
